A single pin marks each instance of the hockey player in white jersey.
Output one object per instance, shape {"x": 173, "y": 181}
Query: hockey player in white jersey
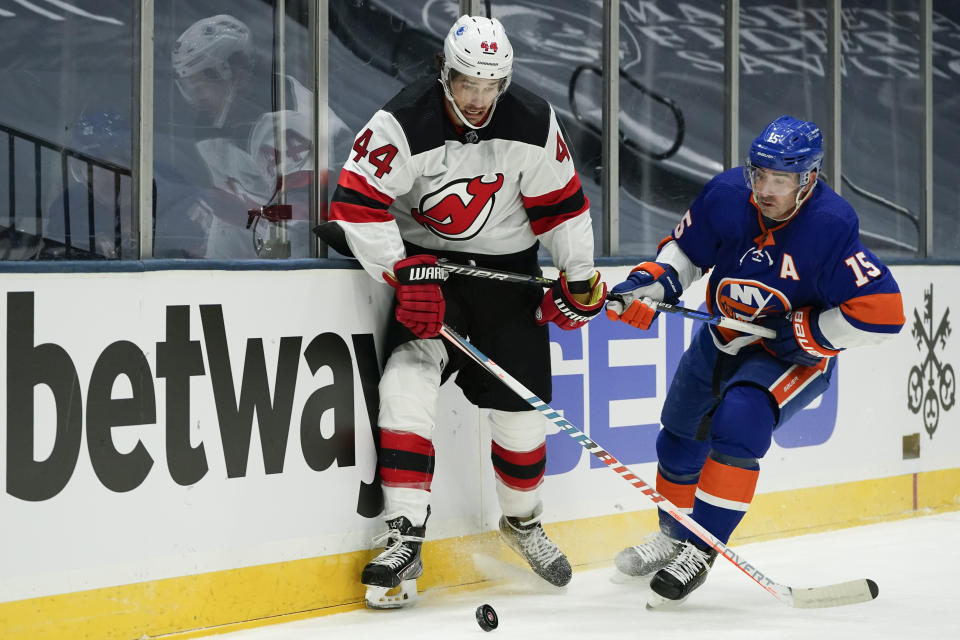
{"x": 470, "y": 168}
{"x": 251, "y": 151}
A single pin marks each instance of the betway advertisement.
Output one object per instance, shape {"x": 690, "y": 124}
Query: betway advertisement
{"x": 168, "y": 423}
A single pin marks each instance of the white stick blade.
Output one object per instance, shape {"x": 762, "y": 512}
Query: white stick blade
{"x": 835, "y": 595}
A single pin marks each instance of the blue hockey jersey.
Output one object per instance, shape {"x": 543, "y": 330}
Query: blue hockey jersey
{"x": 764, "y": 268}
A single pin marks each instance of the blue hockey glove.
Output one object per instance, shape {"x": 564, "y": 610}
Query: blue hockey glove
{"x": 798, "y": 339}
{"x": 649, "y": 281}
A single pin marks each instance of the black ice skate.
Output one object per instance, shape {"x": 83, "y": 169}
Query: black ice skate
{"x": 528, "y": 539}
{"x": 643, "y": 559}
{"x": 399, "y": 565}
{"x": 684, "y": 573}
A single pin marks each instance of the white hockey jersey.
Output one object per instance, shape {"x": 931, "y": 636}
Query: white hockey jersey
{"x": 413, "y": 176}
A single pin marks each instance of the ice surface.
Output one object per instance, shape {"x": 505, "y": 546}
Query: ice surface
{"x": 914, "y": 561}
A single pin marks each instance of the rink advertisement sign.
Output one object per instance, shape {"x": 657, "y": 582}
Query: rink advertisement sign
{"x": 168, "y": 423}
{"x": 85, "y": 417}
{"x": 191, "y": 408}
{"x": 932, "y": 384}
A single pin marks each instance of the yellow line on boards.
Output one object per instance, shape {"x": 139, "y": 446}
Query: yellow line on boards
{"x": 217, "y": 602}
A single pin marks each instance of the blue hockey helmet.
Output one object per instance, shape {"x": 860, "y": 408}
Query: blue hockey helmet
{"x": 790, "y": 145}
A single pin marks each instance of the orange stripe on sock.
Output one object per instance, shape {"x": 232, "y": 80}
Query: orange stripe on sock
{"x": 682, "y": 495}
{"x": 729, "y": 483}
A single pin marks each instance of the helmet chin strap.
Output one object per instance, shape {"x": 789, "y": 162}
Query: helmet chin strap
{"x": 456, "y": 109}
{"x": 227, "y": 103}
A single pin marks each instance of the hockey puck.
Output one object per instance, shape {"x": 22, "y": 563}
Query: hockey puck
{"x": 487, "y": 617}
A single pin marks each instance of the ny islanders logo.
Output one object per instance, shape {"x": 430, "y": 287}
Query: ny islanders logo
{"x": 749, "y": 299}
{"x": 459, "y": 209}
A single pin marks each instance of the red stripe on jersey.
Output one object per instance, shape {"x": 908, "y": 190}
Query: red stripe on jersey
{"x": 794, "y": 380}
{"x": 520, "y": 457}
{"x": 682, "y": 495}
{"x": 358, "y": 213}
{"x": 547, "y": 223}
{"x": 405, "y": 479}
{"x": 356, "y": 182}
{"x": 519, "y": 484}
{"x": 729, "y": 483}
{"x": 405, "y": 441}
{"x": 553, "y": 197}
{"x": 877, "y": 308}
{"x": 510, "y": 465}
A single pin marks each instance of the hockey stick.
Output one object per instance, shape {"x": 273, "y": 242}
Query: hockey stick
{"x": 833, "y": 595}
{"x": 693, "y": 314}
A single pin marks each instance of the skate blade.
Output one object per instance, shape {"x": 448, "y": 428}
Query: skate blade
{"x": 397, "y": 598}
{"x": 659, "y": 603}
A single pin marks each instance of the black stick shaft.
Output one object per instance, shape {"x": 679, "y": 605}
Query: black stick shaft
{"x": 522, "y": 278}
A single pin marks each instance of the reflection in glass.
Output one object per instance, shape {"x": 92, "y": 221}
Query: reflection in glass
{"x": 66, "y": 77}
{"x": 946, "y": 129}
{"x": 671, "y": 115}
{"x": 882, "y": 122}
{"x": 234, "y": 130}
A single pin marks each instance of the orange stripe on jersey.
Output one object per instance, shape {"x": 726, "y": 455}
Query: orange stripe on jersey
{"x": 877, "y": 308}
{"x": 728, "y": 483}
{"x": 682, "y": 495}
{"x": 356, "y": 182}
{"x": 794, "y": 380}
{"x": 652, "y": 268}
{"x": 664, "y": 242}
{"x": 358, "y": 213}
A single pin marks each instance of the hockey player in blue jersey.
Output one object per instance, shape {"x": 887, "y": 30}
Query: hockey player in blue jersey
{"x": 783, "y": 250}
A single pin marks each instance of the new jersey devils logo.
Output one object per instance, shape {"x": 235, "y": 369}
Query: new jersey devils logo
{"x": 749, "y": 299}
{"x": 459, "y": 209}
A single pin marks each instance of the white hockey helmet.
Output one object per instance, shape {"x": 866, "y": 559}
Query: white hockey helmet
{"x": 210, "y": 44}
{"x": 203, "y": 56}
{"x": 477, "y": 47}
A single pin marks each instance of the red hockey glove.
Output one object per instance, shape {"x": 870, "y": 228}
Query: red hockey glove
{"x": 657, "y": 281}
{"x": 572, "y": 305}
{"x": 420, "y": 303}
{"x": 798, "y": 339}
